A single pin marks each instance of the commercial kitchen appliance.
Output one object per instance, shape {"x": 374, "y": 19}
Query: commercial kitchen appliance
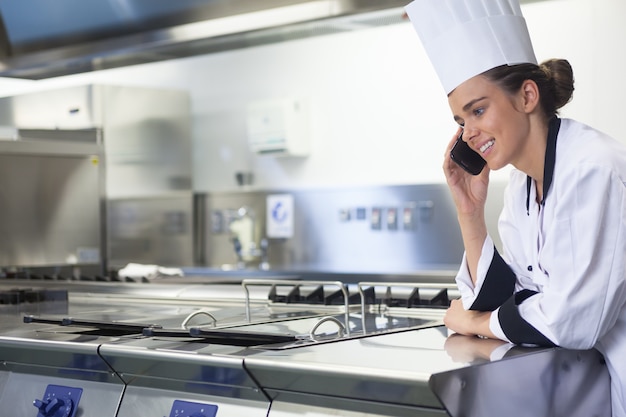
{"x": 76, "y": 38}
{"x": 95, "y": 174}
{"x": 277, "y": 346}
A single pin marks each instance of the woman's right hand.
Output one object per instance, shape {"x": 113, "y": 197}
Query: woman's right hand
{"x": 468, "y": 191}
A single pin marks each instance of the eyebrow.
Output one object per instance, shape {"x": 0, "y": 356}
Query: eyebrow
{"x": 468, "y": 106}
{"x": 471, "y": 103}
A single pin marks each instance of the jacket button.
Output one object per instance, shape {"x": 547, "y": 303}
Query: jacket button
{"x": 530, "y": 268}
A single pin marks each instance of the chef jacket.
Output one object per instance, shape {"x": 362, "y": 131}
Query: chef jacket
{"x": 561, "y": 278}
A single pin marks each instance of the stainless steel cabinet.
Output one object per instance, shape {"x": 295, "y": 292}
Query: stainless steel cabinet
{"x": 68, "y": 156}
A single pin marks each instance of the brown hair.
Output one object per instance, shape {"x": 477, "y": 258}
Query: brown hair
{"x": 554, "y": 78}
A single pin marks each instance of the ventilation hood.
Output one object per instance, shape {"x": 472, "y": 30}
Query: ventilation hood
{"x": 74, "y": 36}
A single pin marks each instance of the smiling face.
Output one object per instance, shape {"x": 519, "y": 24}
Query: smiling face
{"x": 496, "y": 124}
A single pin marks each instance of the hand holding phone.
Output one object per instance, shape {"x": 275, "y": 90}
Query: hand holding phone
{"x": 466, "y": 157}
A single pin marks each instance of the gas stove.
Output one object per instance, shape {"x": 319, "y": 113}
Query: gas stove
{"x": 277, "y": 348}
{"x": 276, "y": 314}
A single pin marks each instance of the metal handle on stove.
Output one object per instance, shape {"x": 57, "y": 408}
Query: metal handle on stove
{"x": 326, "y": 319}
{"x": 197, "y": 313}
{"x": 344, "y": 290}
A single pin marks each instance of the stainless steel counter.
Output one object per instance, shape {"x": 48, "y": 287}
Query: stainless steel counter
{"x": 428, "y": 372}
{"x": 396, "y": 361}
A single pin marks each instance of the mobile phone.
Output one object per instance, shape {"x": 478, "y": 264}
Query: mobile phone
{"x": 466, "y": 157}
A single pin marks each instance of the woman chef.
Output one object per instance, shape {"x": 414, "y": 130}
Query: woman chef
{"x": 561, "y": 277}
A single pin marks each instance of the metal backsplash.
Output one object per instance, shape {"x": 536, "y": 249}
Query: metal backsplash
{"x": 151, "y": 230}
{"x": 50, "y": 205}
{"x": 381, "y": 229}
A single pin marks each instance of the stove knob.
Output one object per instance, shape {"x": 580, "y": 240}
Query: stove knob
{"x": 54, "y": 407}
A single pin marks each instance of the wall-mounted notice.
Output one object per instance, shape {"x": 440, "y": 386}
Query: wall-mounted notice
{"x": 280, "y": 216}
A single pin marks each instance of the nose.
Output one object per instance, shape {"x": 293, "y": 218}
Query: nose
{"x": 469, "y": 133}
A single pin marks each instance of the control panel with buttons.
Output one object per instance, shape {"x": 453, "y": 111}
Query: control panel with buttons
{"x": 191, "y": 409}
{"x": 59, "y": 401}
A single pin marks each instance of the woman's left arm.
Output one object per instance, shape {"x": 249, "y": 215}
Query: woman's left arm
{"x": 468, "y": 322}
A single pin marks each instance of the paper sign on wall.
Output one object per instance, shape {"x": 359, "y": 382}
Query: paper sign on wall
{"x": 280, "y": 216}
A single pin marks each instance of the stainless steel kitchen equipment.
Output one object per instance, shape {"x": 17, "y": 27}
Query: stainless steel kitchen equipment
{"x": 77, "y": 38}
{"x": 109, "y": 34}
{"x": 95, "y": 174}
{"x": 276, "y": 346}
{"x": 386, "y": 229}
{"x": 50, "y": 199}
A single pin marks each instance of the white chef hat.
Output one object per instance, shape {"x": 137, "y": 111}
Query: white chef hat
{"x": 464, "y": 38}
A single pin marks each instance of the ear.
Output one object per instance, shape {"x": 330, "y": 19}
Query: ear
{"x": 529, "y": 96}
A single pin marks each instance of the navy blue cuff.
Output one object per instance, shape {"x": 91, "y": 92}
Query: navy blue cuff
{"x": 516, "y": 329}
{"x": 498, "y": 286}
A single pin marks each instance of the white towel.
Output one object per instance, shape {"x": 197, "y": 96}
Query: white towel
{"x": 133, "y": 270}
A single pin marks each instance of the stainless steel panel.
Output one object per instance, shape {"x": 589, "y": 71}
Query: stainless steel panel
{"x": 165, "y": 31}
{"x": 158, "y": 372}
{"x": 183, "y": 366}
{"x": 69, "y": 108}
{"x": 292, "y": 404}
{"x": 147, "y": 141}
{"x": 151, "y": 230}
{"x": 50, "y": 210}
{"x": 140, "y": 401}
{"x": 85, "y": 146}
{"x": 333, "y": 230}
{"x": 555, "y": 382}
{"x": 30, "y": 365}
{"x": 146, "y": 131}
{"x": 393, "y": 368}
{"x": 18, "y": 392}
{"x": 56, "y": 354}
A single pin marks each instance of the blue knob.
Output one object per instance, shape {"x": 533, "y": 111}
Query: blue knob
{"x": 54, "y": 407}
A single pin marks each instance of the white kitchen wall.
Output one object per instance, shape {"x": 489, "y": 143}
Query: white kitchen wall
{"x": 377, "y": 112}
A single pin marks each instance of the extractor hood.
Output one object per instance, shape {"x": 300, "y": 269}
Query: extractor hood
{"x": 43, "y": 38}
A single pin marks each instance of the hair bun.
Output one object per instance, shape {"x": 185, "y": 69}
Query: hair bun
{"x": 561, "y": 77}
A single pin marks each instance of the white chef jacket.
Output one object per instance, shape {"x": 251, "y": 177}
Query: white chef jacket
{"x": 570, "y": 250}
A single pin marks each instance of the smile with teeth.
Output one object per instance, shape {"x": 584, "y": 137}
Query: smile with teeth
{"x": 486, "y": 146}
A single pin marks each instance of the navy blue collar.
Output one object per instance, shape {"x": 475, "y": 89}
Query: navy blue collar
{"x": 548, "y": 166}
